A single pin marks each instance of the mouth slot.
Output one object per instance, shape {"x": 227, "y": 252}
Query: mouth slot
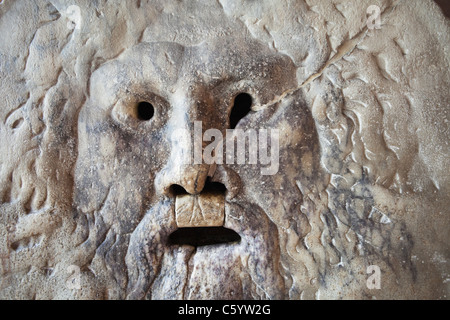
{"x": 203, "y": 236}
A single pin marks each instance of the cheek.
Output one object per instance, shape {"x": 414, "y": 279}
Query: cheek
{"x": 298, "y": 138}
{"x": 130, "y": 156}
{"x": 299, "y": 150}
{"x": 291, "y": 135}
{"x": 115, "y": 163}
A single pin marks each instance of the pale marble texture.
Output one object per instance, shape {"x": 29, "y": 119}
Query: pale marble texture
{"x": 92, "y": 191}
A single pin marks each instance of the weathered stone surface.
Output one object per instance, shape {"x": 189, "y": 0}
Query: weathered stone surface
{"x": 93, "y": 180}
{"x": 205, "y": 210}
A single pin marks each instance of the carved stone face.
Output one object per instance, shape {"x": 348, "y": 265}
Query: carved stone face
{"x": 119, "y": 169}
{"x": 129, "y": 172}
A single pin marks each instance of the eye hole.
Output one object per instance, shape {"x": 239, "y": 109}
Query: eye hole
{"x": 242, "y": 106}
{"x": 145, "y": 111}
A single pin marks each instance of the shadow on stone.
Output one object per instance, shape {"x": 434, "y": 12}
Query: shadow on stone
{"x": 203, "y": 236}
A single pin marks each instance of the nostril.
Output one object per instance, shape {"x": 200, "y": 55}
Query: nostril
{"x": 213, "y": 186}
{"x": 177, "y": 190}
{"x": 209, "y": 187}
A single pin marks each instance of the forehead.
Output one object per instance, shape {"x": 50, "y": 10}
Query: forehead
{"x": 167, "y": 65}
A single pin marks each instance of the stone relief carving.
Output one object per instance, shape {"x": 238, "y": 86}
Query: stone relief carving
{"x": 108, "y": 105}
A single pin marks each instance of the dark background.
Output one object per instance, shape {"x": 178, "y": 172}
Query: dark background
{"x": 445, "y": 6}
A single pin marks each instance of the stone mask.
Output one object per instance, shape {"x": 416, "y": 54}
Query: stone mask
{"x": 224, "y": 150}
{"x": 135, "y": 183}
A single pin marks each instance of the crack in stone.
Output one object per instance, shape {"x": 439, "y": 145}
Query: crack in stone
{"x": 345, "y": 48}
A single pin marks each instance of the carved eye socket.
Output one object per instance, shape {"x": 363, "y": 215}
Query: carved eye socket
{"x": 145, "y": 111}
{"x": 242, "y": 106}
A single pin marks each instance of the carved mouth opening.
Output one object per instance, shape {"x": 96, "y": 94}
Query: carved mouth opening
{"x": 203, "y": 236}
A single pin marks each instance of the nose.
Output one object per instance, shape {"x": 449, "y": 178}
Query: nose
{"x": 184, "y": 170}
{"x": 199, "y": 201}
{"x": 182, "y": 179}
{"x": 180, "y": 174}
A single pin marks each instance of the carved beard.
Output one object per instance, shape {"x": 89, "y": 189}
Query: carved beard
{"x": 245, "y": 270}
